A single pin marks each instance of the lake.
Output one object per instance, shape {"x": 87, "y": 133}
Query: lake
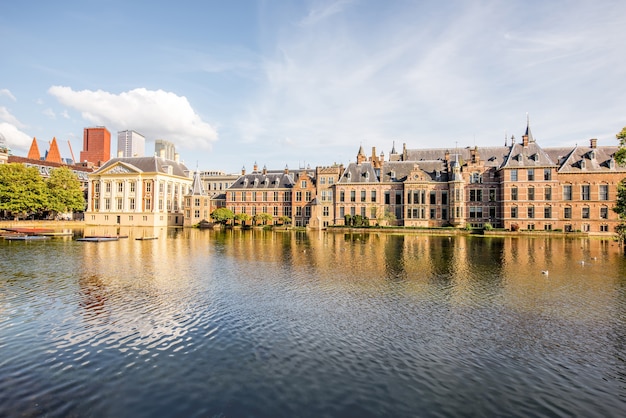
{"x": 203, "y": 323}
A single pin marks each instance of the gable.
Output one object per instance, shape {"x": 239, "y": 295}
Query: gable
{"x": 120, "y": 168}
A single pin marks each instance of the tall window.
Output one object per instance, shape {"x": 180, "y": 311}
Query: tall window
{"x": 513, "y": 193}
{"x": 298, "y": 196}
{"x": 548, "y": 193}
{"x": 120, "y": 187}
{"x": 531, "y": 212}
{"x": 108, "y": 187}
{"x": 352, "y": 195}
{"x": 531, "y": 174}
{"x": 373, "y": 196}
{"x": 604, "y": 192}
{"x": 567, "y": 192}
{"x": 513, "y": 212}
{"x": 492, "y": 195}
{"x": 433, "y": 198}
{"x": 363, "y": 194}
{"x": 585, "y": 212}
{"x": 531, "y": 193}
{"x": 567, "y": 212}
{"x": 307, "y": 196}
{"x": 547, "y": 212}
{"x": 444, "y": 198}
{"x": 342, "y": 196}
{"x": 303, "y": 184}
{"x": 547, "y": 174}
{"x": 476, "y": 195}
{"x": 514, "y": 174}
{"x": 584, "y": 192}
{"x": 604, "y": 212}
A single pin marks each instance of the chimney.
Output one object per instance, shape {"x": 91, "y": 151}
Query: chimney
{"x": 243, "y": 170}
{"x": 286, "y": 169}
{"x": 447, "y": 156}
{"x": 177, "y": 157}
{"x": 525, "y": 140}
{"x": 264, "y": 170}
{"x": 255, "y": 168}
{"x": 593, "y": 143}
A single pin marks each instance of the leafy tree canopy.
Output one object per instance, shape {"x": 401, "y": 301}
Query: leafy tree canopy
{"x": 222, "y": 215}
{"x": 22, "y": 189}
{"x": 64, "y": 191}
{"x": 242, "y": 217}
{"x": 620, "y": 155}
{"x": 262, "y": 218}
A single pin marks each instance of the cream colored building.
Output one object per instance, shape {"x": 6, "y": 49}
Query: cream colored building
{"x": 138, "y": 191}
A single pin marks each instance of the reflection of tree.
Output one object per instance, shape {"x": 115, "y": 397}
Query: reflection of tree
{"x": 93, "y": 297}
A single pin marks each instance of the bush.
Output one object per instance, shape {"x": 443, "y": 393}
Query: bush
{"x": 488, "y": 227}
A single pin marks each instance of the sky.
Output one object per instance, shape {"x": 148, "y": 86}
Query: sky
{"x": 292, "y": 84}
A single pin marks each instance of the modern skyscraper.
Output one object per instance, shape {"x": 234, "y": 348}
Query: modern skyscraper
{"x": 130, "y": 144}
{"x": 96, "y": 145}
{"x": 168, "y": 148}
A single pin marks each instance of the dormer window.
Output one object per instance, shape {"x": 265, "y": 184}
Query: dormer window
{"x": 366, "y": 175}
{"x": 592, "y": 155}
{"x": 612, "y": 163}
{"x": 348, "y": 175}
{"x": 583, "y": 164}
{"x": 392, "y": 174}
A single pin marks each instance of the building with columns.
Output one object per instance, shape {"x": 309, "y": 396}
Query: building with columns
{"x": 139, "y": 191}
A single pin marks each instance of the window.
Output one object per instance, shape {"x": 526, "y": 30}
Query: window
{"x": 604, "y": 192}
{"x": 604, "y": 212}
{"x": 475, "y": 212}
{"x": 303, "y": 184}
{"x": 567, "y": 192}
{"x": 444, "y": 213}
{"x": 548, "y": 193}
{"x": 476, "y": 178}
{"x": 118, "y": 202}
{"x": 363, "y": 194}
{"x": 107, "y": 204}
{"x": 322, "y": 180}
{"x": 585, "y": 212}
{"x": 373, "y": 196}
{"x": 108, "y": 187}
{"x": 132, "y": 187}
{"x": 547, "y": 212}
{"x": 531, "y": 174}
{"x": 275, "y": 210}
{"x": 342, "y": 196}
{"x": 492, "y": 195}
{"x": 307, "y": 211}
{"x": 196, "y": 213}
{"x": 604, "y": 228}
{"x": 325, "y": 211}
{"x": 148, "y": 187}
{"x": 342, "y": 212}
{"x": 514, "y": 212}
{"x": 513, "y": 193}
{"x": 363, "y": 215}
{"x": 433, "y": 213}
{"x": 547, "y": 174}
{"x": 265, "y": 196}
{"x": 148, "y": 204}
{"x": 132, "y": 203}
{"x": 120, "y": 187}
{"x": 492, "y": 212}
{"x": 476, "y": 195}
{"x": 531, "y": 212}
{"x": 96, "y": 187}
{"x": 275, "y": 196}
{"x": 399, "y": 199}
{"x": 584, "y": 192}
{"x": 196, "y": 201}
{"x": 514, "y": 174}
{"x": 352, "y": 195}
{"x": 373, "y": 212}
{"x": 387, "y": 198}
{"x": 433, "y": 198}
{"x": 531, "y": 193}
{"x": 444, "y": 198}
{"x": 307, "y": 196}
{"x": 243, "y": 196}
{"x": 567, "y": 212}
{"x": 298, "y": 210}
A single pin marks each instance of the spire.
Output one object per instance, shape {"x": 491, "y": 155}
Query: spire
{"x": 528, "y": 134}
{"x": 393, "y": 148}
{"x": 54, "y": 155}
{"x": 33, "y": 152}
{"x": 360, "y": 157}
{"x": 197, "y": 188}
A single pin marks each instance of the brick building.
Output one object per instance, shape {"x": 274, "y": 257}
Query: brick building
{"x": 96, "y": 146}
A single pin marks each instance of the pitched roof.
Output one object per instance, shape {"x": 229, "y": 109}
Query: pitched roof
{"x": 267, "y": 180}
{"x": 33, "y": 152}
{"x": 148, "y": 165}
{"x": 53, "y": 154}
{"x": 197, "y": 188}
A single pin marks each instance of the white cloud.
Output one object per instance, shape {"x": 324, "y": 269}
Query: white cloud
{"x": 65, "y": 114}
{"x": 323, "y": 11}
{"x": 6, "y": 116}
{"x": 7, "y": 93}
{"x": 153, "y": 113}
{"x": 49, "y": 113}
{"x": 16, "y": 139}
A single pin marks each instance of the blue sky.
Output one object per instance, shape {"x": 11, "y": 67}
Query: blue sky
{"x": 294, "y": 83}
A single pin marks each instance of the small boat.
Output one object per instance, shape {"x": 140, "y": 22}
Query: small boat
{"x": 146, "y": 238}
{"x": 29, "y": 231}
{"x": 98, "y": 238}
{"x": 19, "y": 237}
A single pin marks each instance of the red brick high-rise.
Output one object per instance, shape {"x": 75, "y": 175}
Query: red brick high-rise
{"x": 96, "y": 145}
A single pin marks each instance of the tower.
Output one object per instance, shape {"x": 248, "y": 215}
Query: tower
{"x": 96, "y": 145}
{"x": 130, "y": 144}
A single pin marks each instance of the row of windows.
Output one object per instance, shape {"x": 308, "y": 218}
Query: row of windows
{"x": 585, "y": 192}
{"x": 132, "y": 187}
{"x": 585, "y": 212}
{"x": 132, "y": 204}
{"x": 264, "y": 196}
{"x": 274, "y": 211}
{"x": 530, "y": 174}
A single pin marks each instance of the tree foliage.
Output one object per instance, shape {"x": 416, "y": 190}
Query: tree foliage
{"x": 242, "y": 217}
{"x": 222, "y": 215}
{"x": 285, "y": 220}
{"x": 64, "y": 191}
{"x": 620, "y": 155}
{"x": 262, "y": 218}
{"x": 22, "y": 190}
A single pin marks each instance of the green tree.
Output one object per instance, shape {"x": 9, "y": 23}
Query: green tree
{"x": 620, "y": 155}
{"x": 285, "y": 220}
{"x": 64, "y": 191}
{"x": 620, "y": 203}
{"x": 347, "y": 219}
{"x": 242, "y": 217}
{"x": 262, "y": 218}
{"x": 222, "y": 215}
{"x": 22, "y": 190}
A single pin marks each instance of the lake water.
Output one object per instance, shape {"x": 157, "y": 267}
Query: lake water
{"x": 203, "y": 323}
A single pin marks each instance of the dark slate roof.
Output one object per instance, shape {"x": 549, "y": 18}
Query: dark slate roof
{"x": 148, "y": 165}
{"x": 490, "y": 156}
{"x": 359, "y": 173}
{"x": 259, "y": 180}
{"x": 396, "y": 171}
{"x": 197, "y": 188}
{"x": 528, "y": 156}
{"x": 587, "y": 159}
